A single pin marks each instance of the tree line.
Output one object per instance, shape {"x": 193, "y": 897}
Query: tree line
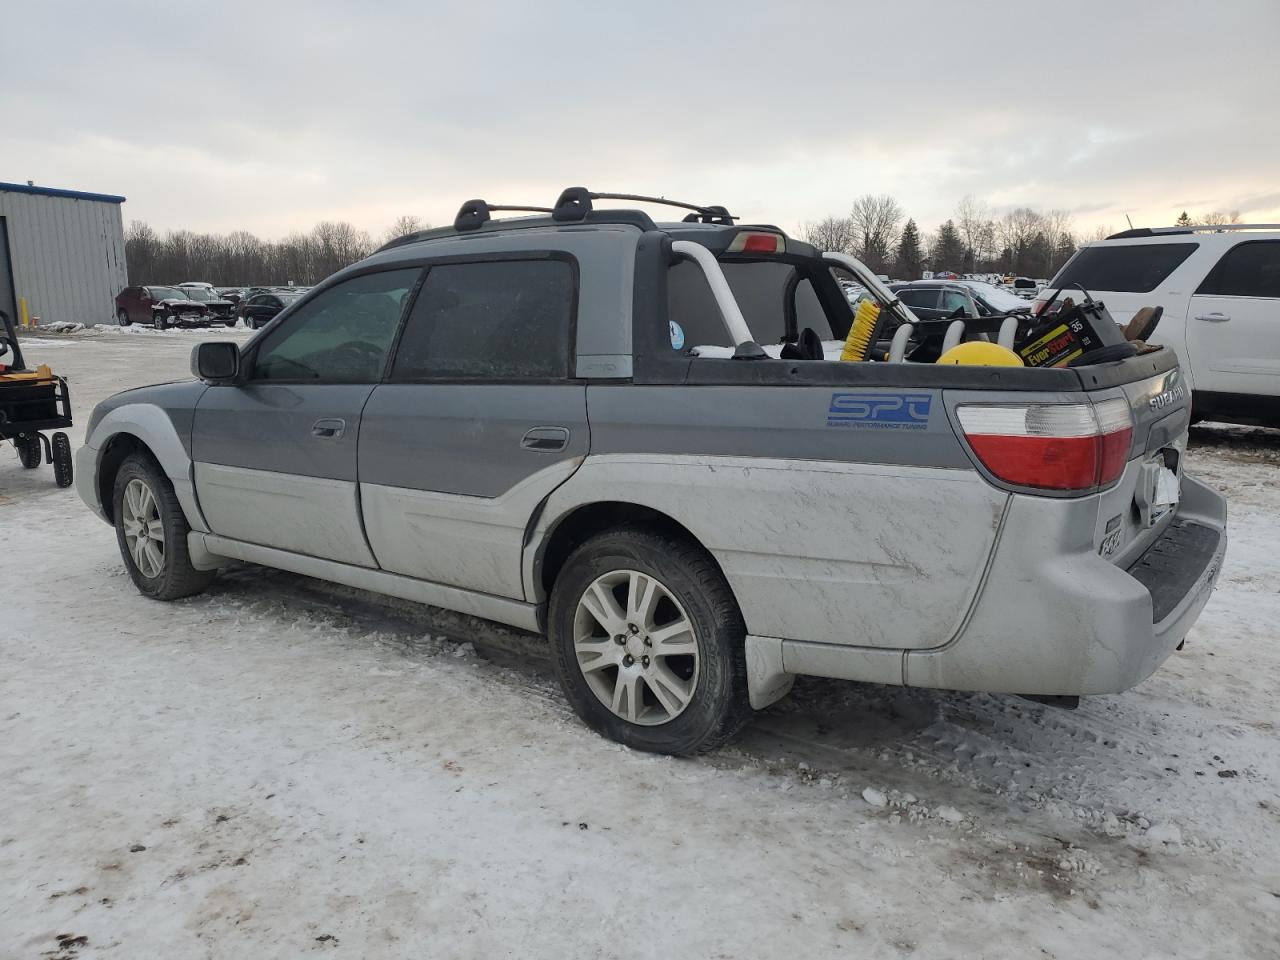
{"x": 878, "y": 232}
{"x": 240, "y": 259}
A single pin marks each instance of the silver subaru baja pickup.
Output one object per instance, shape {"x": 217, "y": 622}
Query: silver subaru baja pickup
{"x": 629, "y": 436}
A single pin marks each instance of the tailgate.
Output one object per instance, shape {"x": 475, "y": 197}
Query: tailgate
{"x": 1135, "y": 512}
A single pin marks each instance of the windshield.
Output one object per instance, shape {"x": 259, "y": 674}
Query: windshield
{"x": 199, "y": 293}
{"x": 1001, "y": 301}
{"x": 168, "y": 293}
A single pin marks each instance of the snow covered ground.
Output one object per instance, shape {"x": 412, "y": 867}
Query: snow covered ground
{"x": 282, "y": 768}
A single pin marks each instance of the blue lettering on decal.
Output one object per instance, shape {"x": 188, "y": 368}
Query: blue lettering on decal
{"x": 880, "y": 411}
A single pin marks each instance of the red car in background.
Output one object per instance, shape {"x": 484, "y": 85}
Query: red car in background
{"x": 159, "y": 307}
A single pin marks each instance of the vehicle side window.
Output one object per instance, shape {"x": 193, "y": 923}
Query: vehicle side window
{"x": 342, "y": 336}
{"x": 953, "y": 300}
{"x": 1251, "y": 269}
{"x": 1134, "y": 268}
{"x": 491, "y": 320}
{"x": 926, "y": 298}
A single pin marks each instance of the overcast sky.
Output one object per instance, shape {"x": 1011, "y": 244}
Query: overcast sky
{"x": 270, "y": 116}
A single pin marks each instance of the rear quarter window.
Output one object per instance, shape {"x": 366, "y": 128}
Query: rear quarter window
{"x": 1250, "y": 269}
{"x": 1137, "y": 268}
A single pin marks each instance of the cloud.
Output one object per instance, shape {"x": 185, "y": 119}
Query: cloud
{"x": 273, "y": 116}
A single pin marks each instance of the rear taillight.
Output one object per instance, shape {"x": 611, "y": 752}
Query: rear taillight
{"x": 1051, "y": 446}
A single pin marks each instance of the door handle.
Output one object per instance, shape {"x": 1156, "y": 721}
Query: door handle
{"x": 331, "y": 429}
{"x": 546, "y": 439}
{"x": 1214, "y": 317}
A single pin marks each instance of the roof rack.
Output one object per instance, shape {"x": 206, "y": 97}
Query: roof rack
{"x": 1194, "y": 228}
{"x": 576, "y": 202}
{"x": 474, "y": 213}
{"x": 573, "y": 206}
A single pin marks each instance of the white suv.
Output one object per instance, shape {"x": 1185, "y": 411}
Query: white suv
{"x": 1220, "y": 289}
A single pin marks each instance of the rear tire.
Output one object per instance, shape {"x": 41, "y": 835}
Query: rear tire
{"x": 152, "y": 532}
{"x": 122, "y": 317}
{"x": 653, "y": 592}
{"x": 63, "y": 472}
{"x": 30, "y": 454}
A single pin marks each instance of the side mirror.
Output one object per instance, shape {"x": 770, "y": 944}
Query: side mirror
{"x": 216, "y": 361}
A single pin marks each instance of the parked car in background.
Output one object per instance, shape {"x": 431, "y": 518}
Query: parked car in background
{"x": 234, "y": 294}
{"x": 261, "y": 308}
{"x": 158, "y": 306}
{"x": 994, "y": 299}
{"x": 219, "y": 309}
{"x": 940, "y": 299}
{"x": 855, "y": 293}
{"x": 1220, "y": 290}
{"x": 1025, "y": 287}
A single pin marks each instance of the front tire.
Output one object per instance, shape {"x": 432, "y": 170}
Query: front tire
{"x": 122, "y": 317}
{"x": 152, "y": 532}
{"x": 649, "y": 643}
{"x": 159, "y": 320}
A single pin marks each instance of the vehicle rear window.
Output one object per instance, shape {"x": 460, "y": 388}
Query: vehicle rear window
{"x": 1251, "y": 269}
{"x": 767, "y": 292}
{"x": 496, "y": 320}
{"x": 1135, "y": 268}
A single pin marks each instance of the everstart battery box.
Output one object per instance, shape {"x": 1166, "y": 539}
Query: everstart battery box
{"x": 1071, "y": 333}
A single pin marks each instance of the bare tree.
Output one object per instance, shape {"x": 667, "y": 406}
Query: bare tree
{"x": 974, "y": 223}
{"x": 876, "y": 224}
{"x": 403, "y": 225}
{"x": 1217, "y": 216}
{"x": 834, "y": 234}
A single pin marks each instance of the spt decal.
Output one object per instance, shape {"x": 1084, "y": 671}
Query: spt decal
{"x": 880, "y": 411}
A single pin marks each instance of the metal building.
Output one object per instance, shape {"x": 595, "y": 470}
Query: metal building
{"x": 62, "y": 252}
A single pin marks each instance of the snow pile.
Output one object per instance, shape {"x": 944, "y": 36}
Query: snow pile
{"x": 279, "y": 767}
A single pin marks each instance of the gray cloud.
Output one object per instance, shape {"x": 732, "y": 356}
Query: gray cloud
{"x": 270, "y": 117}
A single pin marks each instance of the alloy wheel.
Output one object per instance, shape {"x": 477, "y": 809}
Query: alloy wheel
{"x": 143, "y": 529}
{"x": 636, "y": 647}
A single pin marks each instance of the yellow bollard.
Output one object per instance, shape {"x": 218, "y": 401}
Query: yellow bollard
{"x": 24, "y": 319}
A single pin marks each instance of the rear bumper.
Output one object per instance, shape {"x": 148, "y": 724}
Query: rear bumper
{"x": 1074, "y": 624}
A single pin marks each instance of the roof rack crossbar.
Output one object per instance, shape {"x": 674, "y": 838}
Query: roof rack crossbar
{"x": 475, "y": 213}
{"x": 1191, "y": 228}
{"x": 576, "y": 202}
{"x": 706, "y": 211}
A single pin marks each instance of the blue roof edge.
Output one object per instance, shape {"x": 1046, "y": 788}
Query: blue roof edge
{"x": 57, "y": 192}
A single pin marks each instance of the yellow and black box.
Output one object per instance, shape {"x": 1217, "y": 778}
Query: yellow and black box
{"x": 1069, "y": 335}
